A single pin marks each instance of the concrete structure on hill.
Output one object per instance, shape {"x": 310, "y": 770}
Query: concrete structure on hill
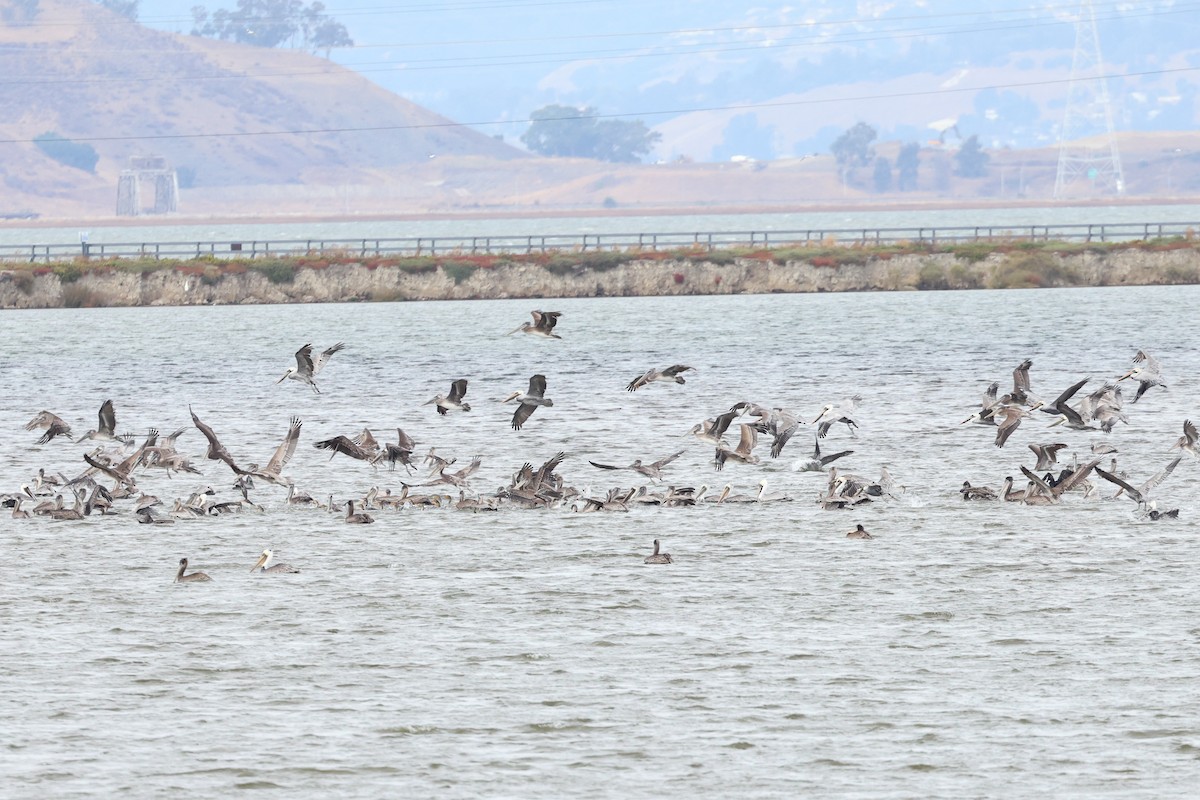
{"x": 153, "y": 169}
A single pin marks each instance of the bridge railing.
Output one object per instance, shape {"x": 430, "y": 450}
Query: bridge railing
{"x": 592, "y": 242}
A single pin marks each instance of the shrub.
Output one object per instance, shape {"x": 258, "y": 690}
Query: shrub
{"x": 64, "y": 151}
{"x": 459, "y": 270}
{"x": 1032, "y": 269}
{"x": 932, "y": 277}
{"x": 74, "y": 296}
{"x": 24, "y": 282}
{"x": 69, "y": 272}
{"x": 276, "y": 270}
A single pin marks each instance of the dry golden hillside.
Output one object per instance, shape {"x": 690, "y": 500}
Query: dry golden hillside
{"x": 270, "y": 133}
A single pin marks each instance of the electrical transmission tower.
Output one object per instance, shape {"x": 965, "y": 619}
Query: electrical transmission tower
{"x": 1087, "y": 146}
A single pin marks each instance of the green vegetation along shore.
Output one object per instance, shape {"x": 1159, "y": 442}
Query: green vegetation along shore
{"x": 333, "y": 277}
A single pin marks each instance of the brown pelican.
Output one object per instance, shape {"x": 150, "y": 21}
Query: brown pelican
{"x": 970, "y": 492}
{"x": 346, "y": 446}
{"x": 818, "y": 463}
{"x": 401, "y": 451}
{"x": 1059, "y": 405}
{"x": 1009, "y": 493}
{"x": 831, "y": 414}
{"x": 261, "y": 567}
{"x": 45, "y": 419}
{"x": 672, "y": 373}
{"x": 1067, "y": 481}
{"x": 1020, "y": 393}
{"x": 1047, "y": 455}
{"x": 1008, "y": 418}
{"x": 529, "y": 401}
{"x": 1187, "y": 442}
{"x": 713, "y": 430}
{"x": 743, "y": 452}
{"x": 1140, "y": 494}
{"x": 357, "y": 518}
{"x": 859, "y": 532}
{"x": 106, "y": 427}
{"x": 542, "y": 325}
{"x": 300, "y": 499}
{"x": 1146, "y": 371}
{"x": 1153, "y": 513}
{"x": 146, "y": 516}
{"x": 195, "y": 577}
{"x": 18, "y": 512}
{"x": 216, "y": 450}
{"x": 652, "y": 471}
{"x": 283, "y": 454}
{"x": 657, "y": 557}
{"x": 307, "y": 365}
{"x": 459, "y": 478}
{"x": 452, "y": 401}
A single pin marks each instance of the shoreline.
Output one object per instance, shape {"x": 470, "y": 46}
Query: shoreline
{"x": 81, "y": 284}
{"x": 533, "y": 212}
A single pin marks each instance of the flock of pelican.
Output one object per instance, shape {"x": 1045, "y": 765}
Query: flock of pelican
{"x": 111, "y": 469}
{"x": 1102, "y": 410}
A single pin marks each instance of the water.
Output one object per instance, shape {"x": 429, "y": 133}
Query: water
{"x": 969, "y": 650}
{"x": 865, "y": 218}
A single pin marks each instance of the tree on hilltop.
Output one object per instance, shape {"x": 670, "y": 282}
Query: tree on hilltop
{"x": 558, "y": 130}
{"x": 126, "y": 8}
{"x": 908, "y": 163}
{"x": 273, "y": 23}
{"x": 971, "y": 161}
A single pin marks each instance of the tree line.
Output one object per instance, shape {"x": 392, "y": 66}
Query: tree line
{"x": 854, "y": 149}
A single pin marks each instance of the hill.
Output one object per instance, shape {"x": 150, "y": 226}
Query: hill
{"x": 93, "y": 77}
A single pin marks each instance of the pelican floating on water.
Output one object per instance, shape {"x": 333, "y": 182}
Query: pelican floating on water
{"x": 357, "y": 517}
{"x": 260, "y": 567}
{"x": 859, "y": 532}
{"x": 308, "y": 365}
{"x": 657, "y": 557}
{"x": 195, "y": 577}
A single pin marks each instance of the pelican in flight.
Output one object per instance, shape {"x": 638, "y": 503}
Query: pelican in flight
{"x": 452, "y": 401}
{"x": 831, "y": 414}
{"x": 1146, "y": 371}
{"x": 743, "y": 452}
{"x": 52, "y": 423}
{"x": 672, "y": 373}
{"x": 1141, "y": 494}
{"x": 106, "y": 427}
{"x": 195, "y": 577}
{"x": 283, "y": 454}
{"x": 657, "y": 557}
{"x": 260, "y": 567}
{"x": 536, "y": 396}
{"x": 713, "y": 430}
{"x": 652, "y": 471}
{"x": 216, "y": 450}
{"x": 308, "y": 365}
{"x": 859, "y": 532}
{"x": 542, "y": 325}
{"x": 1187, "y": 442}
{"x": 1047, "y": 455}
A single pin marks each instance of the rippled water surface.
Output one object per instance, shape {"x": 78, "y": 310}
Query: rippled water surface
{"x": 970, "y": 650}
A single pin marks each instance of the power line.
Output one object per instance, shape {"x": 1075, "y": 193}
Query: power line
{"x": 621, "y": 115}
{"x": 512, "y": 60}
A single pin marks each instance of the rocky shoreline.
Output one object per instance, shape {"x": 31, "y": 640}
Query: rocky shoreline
{"x": 81, "y": 284}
